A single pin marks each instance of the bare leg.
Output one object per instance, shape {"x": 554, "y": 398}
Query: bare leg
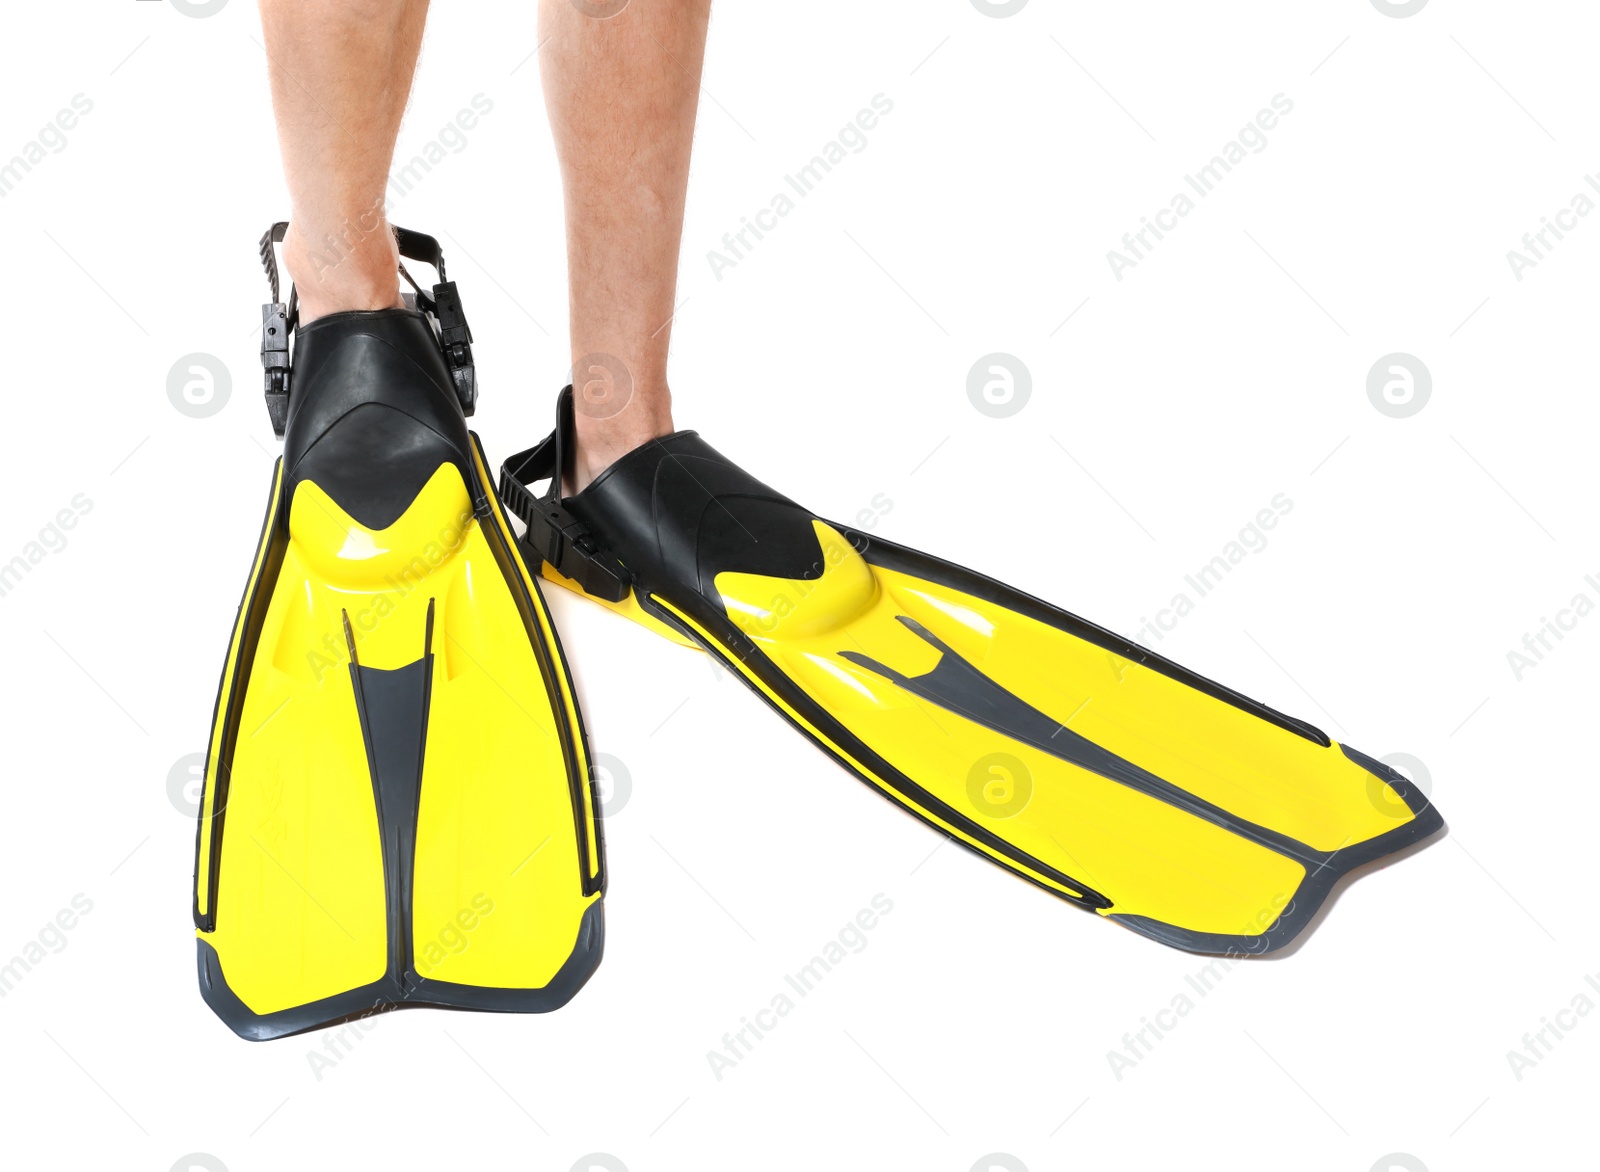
{"x": 341, "y": 73}
{"x": 621, "y": 93}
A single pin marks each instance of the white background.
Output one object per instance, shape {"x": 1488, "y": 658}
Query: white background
{"x": 1227, "y": 367}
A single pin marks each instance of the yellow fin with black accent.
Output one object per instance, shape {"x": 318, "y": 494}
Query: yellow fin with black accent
{"x": 398, "y": 806}
{"x": 1084, "y": 763}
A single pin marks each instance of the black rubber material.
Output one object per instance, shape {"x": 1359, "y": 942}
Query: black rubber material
{"x": 392, "y": 993}
{"x": 1319, "y": 881}
{"x": 393, "y": 705}
{"x": 675, "y": 513}
{"x": 373, "y": 413}
{"x": 553, "y": 535}
{"x": 373, "y": 416}
{"x": 278, "y": 320}
{"x": 225, "y": 725}
{"x": 958, "y": 686}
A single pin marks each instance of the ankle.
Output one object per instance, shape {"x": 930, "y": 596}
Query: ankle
{"x": 333, "y": 273}
{"x": 602, "y": 442}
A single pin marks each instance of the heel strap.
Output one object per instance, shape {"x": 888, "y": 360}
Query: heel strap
{"x": 554, "y": 535}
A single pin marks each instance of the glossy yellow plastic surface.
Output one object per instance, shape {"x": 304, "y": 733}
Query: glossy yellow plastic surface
{"x": 499, "y": 887}
{"x": 1150, "y": 857}
{"x": 628, "y": 608}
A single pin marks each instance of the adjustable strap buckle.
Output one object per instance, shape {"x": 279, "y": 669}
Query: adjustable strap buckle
{"x": 277, "y": 319}
{"x": 444, "y": 306}
{"x": 554, "y": 535}
{"x": 455, "y": 337}
{"x": 275, "y": 363}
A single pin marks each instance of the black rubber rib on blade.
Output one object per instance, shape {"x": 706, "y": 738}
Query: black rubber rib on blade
{"x": 921, "y": 565}
{"x": 373, "y": 417}
{"x": 1314, "y": 890}
{"x": 557, "y": 677}
{"x": 958, "y": 686}
{"x": 862, "y": 761}
{"x": 253, "y": 605}
{"x": 676, "y": 514}
{"x": 393, "y": 706}
{"x": 388, "y": 993}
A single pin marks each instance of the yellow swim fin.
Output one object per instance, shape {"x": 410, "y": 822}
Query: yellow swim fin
{"x": 1084, "y": 763}
{"x": 398, "y": 807}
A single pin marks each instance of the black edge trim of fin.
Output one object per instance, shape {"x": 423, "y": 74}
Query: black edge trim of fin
{"x": 958, "y": 686}
{"x": 557, "y": 675}
{"x": 390, "y": 993}
{"x": 1318, "y": 884}
{"x": 922, "y": 565}
{"x": 1409, "y": 792}
{"x": 913, "y": 796}
{"x": 253, "y": 605}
